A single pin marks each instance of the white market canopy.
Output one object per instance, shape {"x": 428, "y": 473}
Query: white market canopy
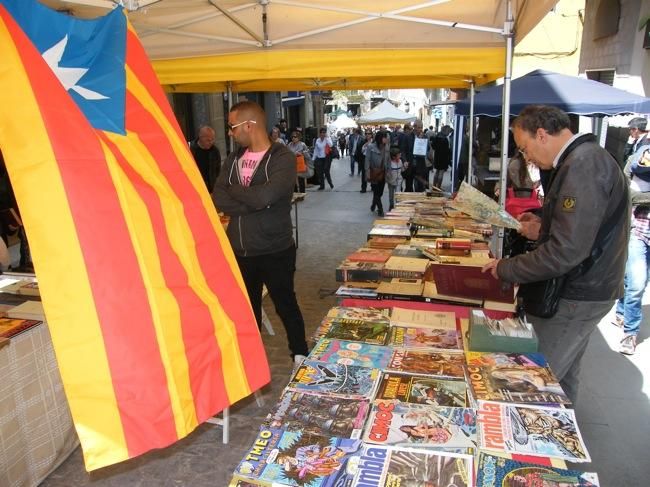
{"x": 386, "y": 112}
{"x": 277, "y": 45}
{"x": 343, "y": 122}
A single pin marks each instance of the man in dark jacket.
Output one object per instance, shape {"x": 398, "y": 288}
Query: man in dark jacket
{"x": 585, "y": 194}
{"x": 255, "y": 189}
{"x": 206, "y": 155}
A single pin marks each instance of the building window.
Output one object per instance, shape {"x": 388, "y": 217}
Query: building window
{"x": 607, "y": 18}
{"x": 605, "y": 76}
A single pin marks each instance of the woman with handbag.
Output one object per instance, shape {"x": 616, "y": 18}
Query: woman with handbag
{"x": 300, "y": 149}
{"x": 377, "y": 162}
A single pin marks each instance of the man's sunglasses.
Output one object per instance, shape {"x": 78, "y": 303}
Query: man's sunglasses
{"x": 233, "y": 127}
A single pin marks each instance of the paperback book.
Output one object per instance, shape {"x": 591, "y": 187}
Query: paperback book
{"x": 415, "y": 337}
{"x": 344, "y": 352}
{"x": 319, "y": 414}
{"x": 442, "y": 320}
{"x": 496, "y": 471}
{"x": 531, "y": 430}
{"x": 422, "y": 389}
{"x": 365, "y": 332}
{"x": 516, "y": 384}
{"x": 347, "y": 381}
{"x": 373, "y": 315}
{"x": 386, "y": 466}
{"x": 442, "y": 364}
{"x": 295, "y": 458}
{"x": 403, "y": 424}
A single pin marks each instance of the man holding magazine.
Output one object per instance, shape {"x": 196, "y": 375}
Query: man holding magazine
{"x": 581, "y": 238}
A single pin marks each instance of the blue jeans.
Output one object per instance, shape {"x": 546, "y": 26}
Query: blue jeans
{"x": 636, "y": 278}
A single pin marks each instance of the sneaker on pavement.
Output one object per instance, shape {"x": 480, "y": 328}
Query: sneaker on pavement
{"x": 628, "y": 345}
{"x": 618, "y": 321}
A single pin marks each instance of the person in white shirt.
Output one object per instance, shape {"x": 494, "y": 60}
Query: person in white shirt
{"x": 322, "y": 161}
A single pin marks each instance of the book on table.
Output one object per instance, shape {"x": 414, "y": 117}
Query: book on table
{"x": 531, "y": 430}
{"x": 400, "y": 287}
{"x": 424, "y": 337}
{"x": 361, "y": 331}
{"x": 445, "y": 364}
{"x": 367, "y": 254}
{"x": 319, "y": 414}
{"x": 348, "y": 381}
{"x": 405, "y": 267}
{"x": 422, "y": 389}
{"x": 469, "y": 281}
{"x": 10, "y": 327}
{"x": 29, "y": 310}
{"x": 359, "y": 271}
{"x": 423, "y": 318}
{"x": 397, "y": 423}
{"x": 388, "y": 466}
{"x": 350, "y": 353}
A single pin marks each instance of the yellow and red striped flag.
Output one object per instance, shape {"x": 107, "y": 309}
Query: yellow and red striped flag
{"x": 149, "y": 316}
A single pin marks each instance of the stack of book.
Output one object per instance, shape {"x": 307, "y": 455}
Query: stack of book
{"x": 389, "y": 398}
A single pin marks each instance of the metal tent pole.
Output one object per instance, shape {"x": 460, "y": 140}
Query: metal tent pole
{"x": 505, "y": 118}
{"x": 230, "y": 104}
{"x": 471, "y": 133}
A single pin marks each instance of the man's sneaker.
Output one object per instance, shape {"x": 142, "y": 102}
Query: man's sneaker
{"x": 618, "y": 321}
{"x": 628, "y": 345}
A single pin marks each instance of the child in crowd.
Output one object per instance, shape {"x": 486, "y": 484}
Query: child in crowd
{"x": 394, "y": 176}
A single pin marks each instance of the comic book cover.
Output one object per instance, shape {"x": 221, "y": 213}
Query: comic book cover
{"x": 422, "y": 389}
{"x": 344, "y": 352}
{"x": 374, "y": 333}
{"x": 531, "y": 430}
{"x": 385, "y": 466}
{"x": 497, "y": 472}
{"x": 343, "y": 380}
{"x": 516, "y": 384}
{"x": 403, "y": 424}
{"x": 294, "y": 458}
{"x": 319, "y": 414}
{"x": 444, "y": 364}
{"x": 238, "y": 481}
{"x": 373, "y": 315}
{"x": 417, "y": 337}
{"x": 495, "y": 359}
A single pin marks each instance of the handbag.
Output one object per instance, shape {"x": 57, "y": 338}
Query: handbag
{"x": 517, "y": 205}
{"x": 301, "y": 166}
{"x": 376, "y": 174}
{"x": 542, "y": 298}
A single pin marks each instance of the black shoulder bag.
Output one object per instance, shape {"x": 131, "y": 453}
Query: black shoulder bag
{"x": 542, "y": 298}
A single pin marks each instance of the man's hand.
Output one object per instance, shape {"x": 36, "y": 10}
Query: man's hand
{"x": 530, "y": 225}
{"x": 492, "y": 268}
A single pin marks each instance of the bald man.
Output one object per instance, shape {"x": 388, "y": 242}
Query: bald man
{"x": 255, "y": 189}
{"x": 206, "y": 155}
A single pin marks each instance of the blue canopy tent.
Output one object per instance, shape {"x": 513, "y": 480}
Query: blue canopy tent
{"x": 572, "y": 94}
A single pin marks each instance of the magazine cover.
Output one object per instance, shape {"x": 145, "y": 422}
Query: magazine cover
{"x": 421, "y": 389}
{"x": 319, "y": 414}
{"x": 444, "y": 364}
{"x": 531, "y": 430}
{"x": 384, "y": 466}
{"x": 504, "y": 472}
{"x": 238, "y": 481}
{"x": 343, "y": 352}
{"x": 343, "y": 380}
{"x": 492, "y": 359}
{"x": 403, "y": 424}
{"x": 516, "y": 384}
{"x": 417, "y": 337}
{"x": 294, "y": 458}
{"x": 376, "y": 334}
{"x": 373, "y": 315}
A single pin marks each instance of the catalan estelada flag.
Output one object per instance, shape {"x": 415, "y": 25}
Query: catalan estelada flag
{"x": 149, "y": 316}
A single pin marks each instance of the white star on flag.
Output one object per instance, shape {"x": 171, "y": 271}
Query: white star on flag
{"x": 68, "y": 76}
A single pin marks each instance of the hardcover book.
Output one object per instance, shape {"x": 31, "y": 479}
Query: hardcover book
{"x": 470, "y": 282}
{"x": 365, "y": 254}
{"x": 347, "y": 381}
{"x": 403, "y": 424}
{"x": 443, "y": 364}
{"x": 350, "y": 353}
{"x": 516, "y": 384}
{"x": 405, "y": 267}
{"x": 421, "y": 389}
{"x": 294, "y": 458}
{"x": 412, "y": 337}
{"x": 531, "y": 430}
{"x": 496, "y": 471}
{"x": 359, "y": 271}
{"x": 319, "y": 414}
{"x": 386, "y": 466}
{"x": 400, "y": 287}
